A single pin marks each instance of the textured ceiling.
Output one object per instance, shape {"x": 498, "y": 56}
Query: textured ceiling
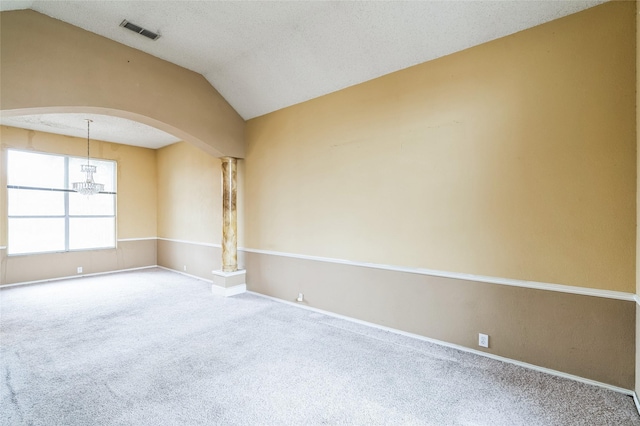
{"x": 264, "y": 56}
{"x": 104, "y": 127}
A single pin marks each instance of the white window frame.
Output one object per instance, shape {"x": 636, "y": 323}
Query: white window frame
{"x": 66, "y": 216}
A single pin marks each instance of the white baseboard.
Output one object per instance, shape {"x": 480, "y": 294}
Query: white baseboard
{"x": 462, "y": 348}
{"x": 77, "y": 276}
{"x": 228, "y": 291}
{"x": 185, "y": 274}
{"x": 635, "y": 400}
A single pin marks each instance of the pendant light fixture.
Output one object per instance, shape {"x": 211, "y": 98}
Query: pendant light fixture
{"x": 88, "y": 186}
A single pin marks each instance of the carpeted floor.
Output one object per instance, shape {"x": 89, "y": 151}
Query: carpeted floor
{"x": 154, "y": 347}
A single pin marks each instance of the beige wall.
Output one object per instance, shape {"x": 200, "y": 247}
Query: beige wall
{"x": 136, "y": 206}
{"x": 50, "y": 66}
{"x": 189, "y": 188}
{"x": 637, "y": 349}
{"x": 190, "y": 195}
{"x": 194, "y": 259}
{"x": 512, "y": 159}
{"x": 43, "y": 267}
{"x": 190, "y": 209}
{"x": 591, "y": 337}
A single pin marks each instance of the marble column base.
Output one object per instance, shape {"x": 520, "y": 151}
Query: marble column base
{"x": 229, "y": 283}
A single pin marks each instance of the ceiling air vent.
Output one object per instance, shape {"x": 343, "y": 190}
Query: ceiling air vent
{"x": 135, "y": 28}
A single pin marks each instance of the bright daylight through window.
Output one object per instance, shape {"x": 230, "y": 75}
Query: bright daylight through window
{"x": 46, "y": 216}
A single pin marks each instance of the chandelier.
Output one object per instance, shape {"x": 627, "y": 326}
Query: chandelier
{"x": 88, "y": 186}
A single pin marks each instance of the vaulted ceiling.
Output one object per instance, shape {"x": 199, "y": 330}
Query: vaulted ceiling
{"x": 264, "y": 56}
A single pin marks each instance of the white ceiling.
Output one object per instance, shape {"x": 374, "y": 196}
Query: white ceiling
{"x": 103, "y": 127}
{"x": 264, "y": 56}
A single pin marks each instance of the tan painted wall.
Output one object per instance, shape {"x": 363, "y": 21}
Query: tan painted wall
{"x": 199, "y": 260}
{"x": 591, "y": 337}
{"x": 136, "y": 205}
{"x": 514, "y": 159}
{"x": 189, "y": 188}
{"x": 190, "y": 208}
{"x": 637, "y": 353}
{"x": 189, "y": 195}
{"x": 50, "y": 66}
{"x": 42, "y": 267}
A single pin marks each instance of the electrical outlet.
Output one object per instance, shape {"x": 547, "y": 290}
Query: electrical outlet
{"x": 300, "y": 297}
{"x": 79, "y": 269}
{"x": 483, "y": 340}
{"x": 185, "y": 268}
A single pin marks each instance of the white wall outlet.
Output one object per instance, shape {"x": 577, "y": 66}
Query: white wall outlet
{"x": 300, "y": 297}
{"x": 185, "y": 268}
{"x": 483, "y": 340}
{"x": 79, "y": 269}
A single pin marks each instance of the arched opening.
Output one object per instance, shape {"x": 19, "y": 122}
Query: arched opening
{"x": 49, "y": 66}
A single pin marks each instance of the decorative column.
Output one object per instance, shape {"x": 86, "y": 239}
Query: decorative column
{"x": 229, "y": 215}
{"x": 229, "y": 281}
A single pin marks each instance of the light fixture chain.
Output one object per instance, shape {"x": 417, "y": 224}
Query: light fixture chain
{"x": 88, "y": 186}
{"x": 88, "y": 157}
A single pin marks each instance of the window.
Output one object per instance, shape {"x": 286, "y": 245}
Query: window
{"x": 46, "y": 216}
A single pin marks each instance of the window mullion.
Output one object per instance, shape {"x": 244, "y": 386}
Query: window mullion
{"x": 66, "y": 204}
